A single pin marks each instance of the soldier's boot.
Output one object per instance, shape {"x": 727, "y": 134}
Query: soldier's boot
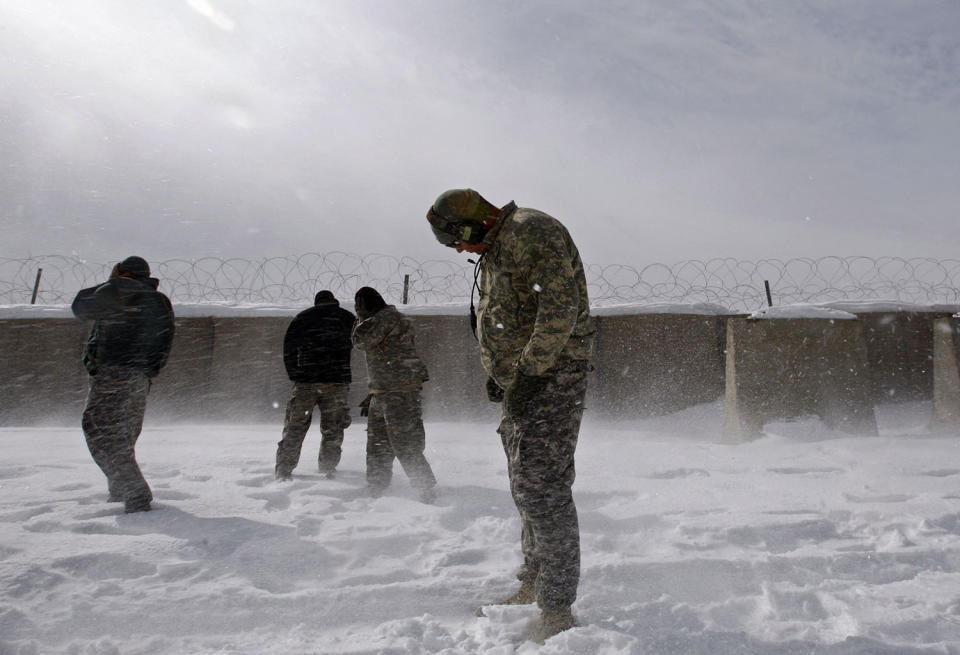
{"x": 328, "y": 472}
{"x": 325, "y": 468}
{"x": 525, "y": 595}
{"x": 327, "y": 465}
{"x": 548, "y": 624}
{"x": 283, "y": 473}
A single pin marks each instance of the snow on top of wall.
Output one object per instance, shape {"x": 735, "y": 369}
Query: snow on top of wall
{"x": 452, "y": 309}
{"x": 883, "y": 306}
{"x": 35, "y": 311}
{"x": 224, "y": 309}
{"x": 802, "y": 311}
{"x": 843, "y": 309}
{"x": 698, "y": 309}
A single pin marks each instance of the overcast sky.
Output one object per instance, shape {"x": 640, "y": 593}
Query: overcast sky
{"x": 657, "y": 131}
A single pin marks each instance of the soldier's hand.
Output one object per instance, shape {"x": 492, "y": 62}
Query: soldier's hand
{"x": 494, "y": 391}
{"x": 365, "y": 406}
{"x": 518, "y": 396}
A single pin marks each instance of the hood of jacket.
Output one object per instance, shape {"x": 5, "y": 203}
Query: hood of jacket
{"x": 129, "y": 285}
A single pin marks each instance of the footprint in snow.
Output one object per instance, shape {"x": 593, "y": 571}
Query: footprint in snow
{"x": 787, "y": 470}
{"x": 940, "y": 473}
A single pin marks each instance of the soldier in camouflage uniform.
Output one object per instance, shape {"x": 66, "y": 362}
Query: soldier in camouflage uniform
{"x": 129, "y": 343}
{"x": 396, "y": 376}
{"x": 536, "y": 334}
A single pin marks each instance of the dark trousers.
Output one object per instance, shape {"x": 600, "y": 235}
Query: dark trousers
{"x": 331, "y": 399}
{"x": 395, "y": 429}
{"x": 540, "y": 447}
{"x": 111, "y": 424}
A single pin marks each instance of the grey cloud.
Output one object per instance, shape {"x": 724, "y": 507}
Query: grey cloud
{"x": 656, "y": 131}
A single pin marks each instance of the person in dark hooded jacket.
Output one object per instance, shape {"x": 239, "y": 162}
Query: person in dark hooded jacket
{"x": 396, "y": 376}
{"x": 128, "y": 346}
{"x": 316, "y": 353}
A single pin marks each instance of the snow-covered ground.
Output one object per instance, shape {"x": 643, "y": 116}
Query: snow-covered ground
{"x": 806, "y": 541}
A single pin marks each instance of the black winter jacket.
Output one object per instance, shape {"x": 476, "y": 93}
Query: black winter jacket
{"x": 133, "y": 325}
{"x": 317, "y": 345}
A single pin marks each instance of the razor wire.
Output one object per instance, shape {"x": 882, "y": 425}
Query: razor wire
{"x": 735, "y": 284}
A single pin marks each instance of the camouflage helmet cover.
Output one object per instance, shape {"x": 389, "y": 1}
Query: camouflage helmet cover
{"x": 459, "y": 215}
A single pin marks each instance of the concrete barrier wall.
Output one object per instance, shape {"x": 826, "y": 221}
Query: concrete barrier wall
{"x": 231, "y": 368}
{"x": 41, "y": 377}
{"x": 946, "y": 367}
{"x": 789, "y": 367}
{"x": 183, "y": 387}
{"x": 900, "y": 351}
{"x": 652, "y": 364}
{"x": 456, "y": 388}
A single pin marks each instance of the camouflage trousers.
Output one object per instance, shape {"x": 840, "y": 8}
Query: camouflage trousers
{"x": 331, "y": 399}
{"x": 395, "y": 429}
{"x": 112, "y": 421}
{"x": 540, "y": 448}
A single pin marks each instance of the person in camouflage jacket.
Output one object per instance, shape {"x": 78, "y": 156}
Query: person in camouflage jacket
{"x": 396, "y": 375}
{"x": 536, "y": 339}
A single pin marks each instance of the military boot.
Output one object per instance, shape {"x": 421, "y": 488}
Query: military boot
{"x": 525, "y": 595}
{"x": 330, "y": 472}
{"x": 548, "y": 624}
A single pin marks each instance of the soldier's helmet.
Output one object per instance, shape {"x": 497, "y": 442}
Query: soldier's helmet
{"x": 459, "y": 216}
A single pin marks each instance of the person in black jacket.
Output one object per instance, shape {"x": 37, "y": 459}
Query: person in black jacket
{"x": 128, "y": 345}
{"x": 316, "y": 353}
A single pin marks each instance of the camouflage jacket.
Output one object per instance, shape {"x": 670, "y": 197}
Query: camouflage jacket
{"x": 533, "y": 306}
{"x": 387, "y": 339}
